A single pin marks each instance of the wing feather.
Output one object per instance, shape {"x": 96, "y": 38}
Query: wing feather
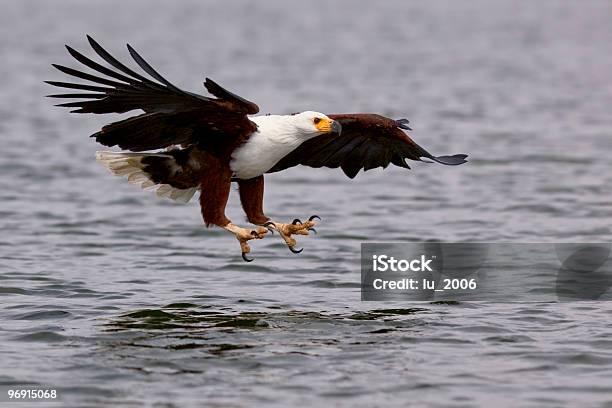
{"x": 95, "y": 66}
{"x": 106, "y": 56}
{"x": 78, "y": 86}
{"x": 77, "y": 95}
{"x": 149, "y": 69}
{"x": 336, "y": 159}
{"x": 87, "y": 77}
{"x": 171, "y": 115}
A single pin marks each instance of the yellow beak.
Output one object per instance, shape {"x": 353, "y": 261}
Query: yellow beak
{"x": 329, "y": 126}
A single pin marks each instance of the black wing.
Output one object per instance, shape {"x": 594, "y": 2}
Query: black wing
{"x": 171, "y": 115}
{"x": 367, "y": 141}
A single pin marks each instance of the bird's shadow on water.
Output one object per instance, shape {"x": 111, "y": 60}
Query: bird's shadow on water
{"x": 220, "y": 332}
{"x": 185, "y": 316}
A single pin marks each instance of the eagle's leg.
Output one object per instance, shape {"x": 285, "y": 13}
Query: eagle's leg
{"x": 297, "y": 227}
{"x": 251, "y": 197}
{"x": 215, "y": 189}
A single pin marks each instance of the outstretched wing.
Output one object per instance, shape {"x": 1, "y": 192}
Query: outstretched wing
{"x": 367, "y": 141}
{"x": 171, "y": 115}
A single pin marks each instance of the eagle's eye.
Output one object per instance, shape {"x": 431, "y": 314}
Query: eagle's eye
{"x": 317, "y": 120}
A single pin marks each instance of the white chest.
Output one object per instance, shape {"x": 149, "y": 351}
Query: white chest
{"x": 266, "y": 147}
{"x": 258, "y": 155}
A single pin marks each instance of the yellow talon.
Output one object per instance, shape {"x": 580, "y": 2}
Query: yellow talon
{"x": 297, "y": 227}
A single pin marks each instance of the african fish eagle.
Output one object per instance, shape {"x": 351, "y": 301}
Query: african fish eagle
{"x": 204, "y": 143}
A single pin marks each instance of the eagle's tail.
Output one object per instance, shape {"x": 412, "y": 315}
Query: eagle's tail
{"x": 149, "y": 171}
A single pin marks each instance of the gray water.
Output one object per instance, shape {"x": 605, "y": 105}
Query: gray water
{"x": 116, "y": 298}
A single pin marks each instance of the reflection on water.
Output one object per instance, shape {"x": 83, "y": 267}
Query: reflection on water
{"x": 185, "y": 326}
{"x": 190, "y": 317}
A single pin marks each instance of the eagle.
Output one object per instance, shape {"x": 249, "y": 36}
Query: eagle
{"x": 182, "y": 142}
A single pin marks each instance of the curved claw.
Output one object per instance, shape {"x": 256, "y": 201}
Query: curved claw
{"x": 254, "y": 234}
{"x": 245, "y": 258}
{"x": 296, "y": 221}
{"x": 295, "y": 251}
{"x": 269, "y": 226}
{"x": 312, "y": 217}
{"x": 313, "y": 230}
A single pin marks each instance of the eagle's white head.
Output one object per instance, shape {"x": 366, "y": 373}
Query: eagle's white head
{"x": 295, "y": 128}
{"x": 310, "y": 124}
